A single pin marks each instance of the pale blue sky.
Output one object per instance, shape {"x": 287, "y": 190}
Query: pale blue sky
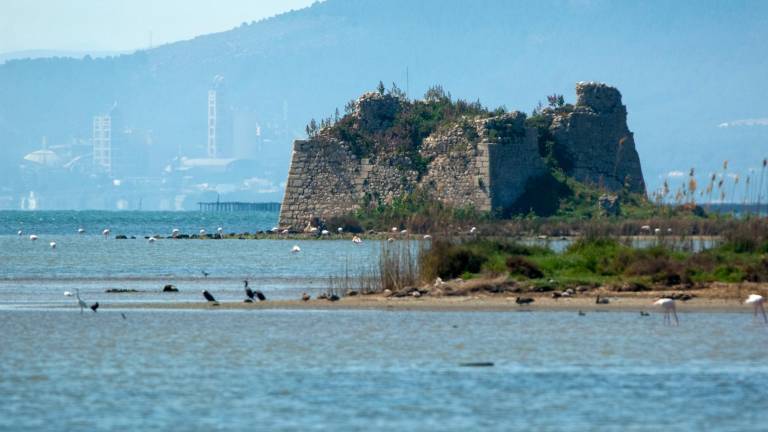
{"x": 119, "y": 25}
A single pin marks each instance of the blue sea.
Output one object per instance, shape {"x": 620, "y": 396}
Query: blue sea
{"x": 297, "y": 370}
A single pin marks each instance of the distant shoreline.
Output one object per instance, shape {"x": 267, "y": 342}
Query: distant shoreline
{"x": 457, "y": 304}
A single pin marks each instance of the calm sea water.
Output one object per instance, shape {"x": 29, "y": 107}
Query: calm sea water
{"x": 375, "y": 370}
{"x": 330, "y": 370}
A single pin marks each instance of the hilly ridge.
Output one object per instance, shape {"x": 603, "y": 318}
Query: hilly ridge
{"x": 509, "y": 53}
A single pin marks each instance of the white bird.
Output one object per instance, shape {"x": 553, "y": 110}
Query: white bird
{"x": 339, "y": 230}
{"x": 33, "y": 237}
{"x": 390, "y": 240}
{"x": 394, "y": 229}
{"x": 404, "y": 232}
{"x": 657, "y": 231}
{"x": 67, "y": 294}
{"x": 285, "y": 231}
{"x": 81, "y": 230}
{"x": 645, "y": 228}
{"x": 295, "y": 249}
{"x": 356, "y": 240}
{"x": 324, "y": 232}
{"x": 669, "y": 309}
{"x": 20, "y": 232}
{"x": 757, "y": 301}
{"x": 202, "y": 232}
{"x": 151, "y": 239}
{"x": 175, "y": 232}
{"x": 472, "y": 230}
{"x": 105, "y": 232}
{"x": 220, "y": 230}
{"x": 427, "y": 236}
{"x": 52, "y": 245}
{"x": 313, "y": 229}
{"x": 274, "y": 229}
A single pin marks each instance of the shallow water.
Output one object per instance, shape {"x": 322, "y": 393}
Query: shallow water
{"x": 378, "y": 370}
{"x": 33, "y": 273}
{"x": 332, "y": 370}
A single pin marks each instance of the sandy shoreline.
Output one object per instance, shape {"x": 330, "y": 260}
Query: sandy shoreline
{"x": 472, "y": 303}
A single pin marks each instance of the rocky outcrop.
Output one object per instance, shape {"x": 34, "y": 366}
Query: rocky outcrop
{"x": 485, "y": 162}
{"x": 596, "y": 141}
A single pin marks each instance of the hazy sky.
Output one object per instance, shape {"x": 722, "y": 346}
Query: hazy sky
{"x": 118, "y": 25}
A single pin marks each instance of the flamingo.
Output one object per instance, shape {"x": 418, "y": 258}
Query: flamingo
{"x": 669, "y": 309}
{"x": 757, "y": 302}
{"x": 33, "y": 237}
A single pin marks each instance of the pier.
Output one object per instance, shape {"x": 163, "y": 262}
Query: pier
{"x": 236, "y": 206}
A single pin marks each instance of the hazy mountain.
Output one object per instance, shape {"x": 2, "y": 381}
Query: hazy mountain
{"x": 683, "y": 67}
{"x": 43, "y": 53}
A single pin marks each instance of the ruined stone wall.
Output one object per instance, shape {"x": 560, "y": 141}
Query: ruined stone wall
{"x": 512, "y": 165}
{"x": 484, "y": 163}
{"x": 597, "y": 140}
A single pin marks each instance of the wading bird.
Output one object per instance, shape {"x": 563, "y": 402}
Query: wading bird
{"x": 305, "y": 296}
{"x": 220, "y": 230}
{"x": 295, "y": 249}
{"x": 151, "y": 239}
{"x": 202, "y": 232}
{"x": 205, "y": 273}
{"x": 67, "y": 294}
{"x": 20, "y": 233}
{"x": 757, "y": 301}
{"x": 210, "y": 298}
{"x": 81, "y": 231}
{"x": 95, "y": 306}
{"x": 105, "y": 233}
{"x": 668, "y": 305}
{"x": 52, "y": 245}
{"x": 80, "y": 301}
{"x": 33, "y": 237}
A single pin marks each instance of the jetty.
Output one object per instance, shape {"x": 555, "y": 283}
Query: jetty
{"x": 237, "y": 206}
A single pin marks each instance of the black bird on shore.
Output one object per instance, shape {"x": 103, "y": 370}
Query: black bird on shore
{"x": 599, "y": 300}
{"x": 248, "y": 290}
{"x": 644, "y": 313}
{"x": 334, "y": 297}
{"x": 523, "y": 300}
{"x": 209, "y": 297}
{"x": 581, "y": 313}
{"x": 95, "y": 306}
{"x": 260, "y": 295}
{"x": 205, "y": 273}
